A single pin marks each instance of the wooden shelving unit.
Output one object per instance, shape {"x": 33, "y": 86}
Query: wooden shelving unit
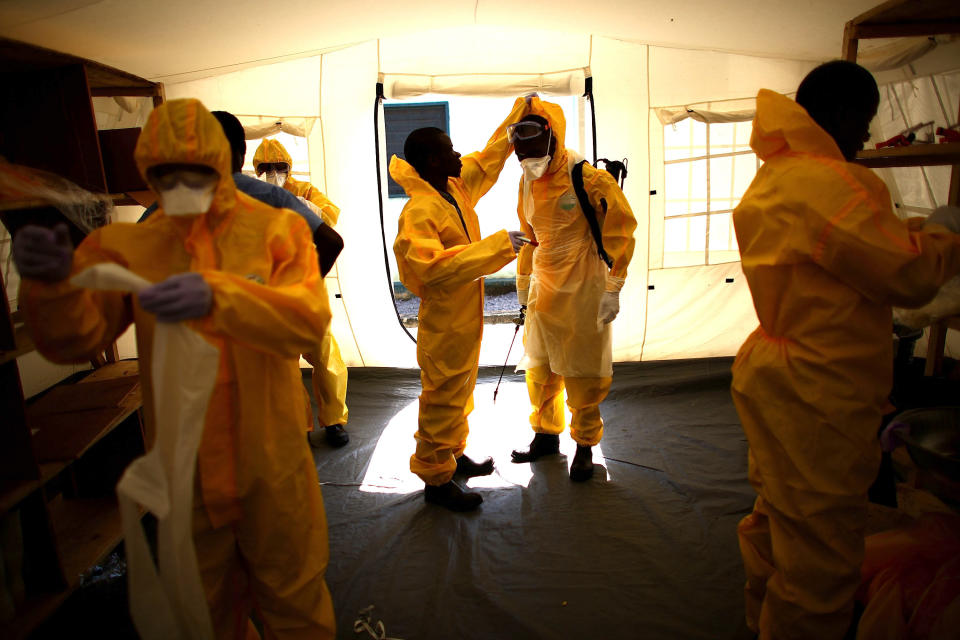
{"x": 916, "y": 155}
{"x": 61, "y": 455}
{"x": 897, "y": 19}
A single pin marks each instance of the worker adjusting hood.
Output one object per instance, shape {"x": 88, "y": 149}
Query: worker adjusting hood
{"x": 783, "y": 125}
{"x": 183, "y": 132}
{"x": 553, "y": 114}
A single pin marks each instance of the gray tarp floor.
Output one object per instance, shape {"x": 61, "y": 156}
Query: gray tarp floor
{"x": 646, "y": 549}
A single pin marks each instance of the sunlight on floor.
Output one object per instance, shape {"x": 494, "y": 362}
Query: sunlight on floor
{"x": 495, "y": 430}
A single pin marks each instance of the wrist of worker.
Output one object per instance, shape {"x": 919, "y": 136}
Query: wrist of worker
{"x": 523, "y": 287}
{"x": 614, "y": 284}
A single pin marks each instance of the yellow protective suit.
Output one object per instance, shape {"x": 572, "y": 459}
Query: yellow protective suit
{"x": 260, "y": 527}
{"x": 271, "y": 151}
{"x": 442, "y": 261}
{"x": 564, "y": 342}
{"x": 825, "y": 258}
{"x": 329, "y": 378}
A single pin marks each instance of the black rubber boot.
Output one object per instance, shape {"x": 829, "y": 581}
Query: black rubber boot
{"x": 467, "y": 468}
{"x": 335, "y": 436}
{"x": 451, "y": 496}
{"x": 581, "y": 469}
{"x": 543, "y": 444}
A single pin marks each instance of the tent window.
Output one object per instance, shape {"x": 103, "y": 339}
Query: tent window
{"x": 707, "y": 168}
{"x": 400, "y": 119}
{"x": 296, "y": 146}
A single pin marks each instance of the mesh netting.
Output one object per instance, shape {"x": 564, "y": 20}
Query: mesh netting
{"x": 33, "y": 187}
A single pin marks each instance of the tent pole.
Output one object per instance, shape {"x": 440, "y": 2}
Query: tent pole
{"x": 383, "y": 230}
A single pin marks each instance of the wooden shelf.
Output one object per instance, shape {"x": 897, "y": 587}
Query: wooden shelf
{"x": 67, "y": 523}
{"x": 913, "y": 156}
{"x": 70, "y": 419}
{"x": 24, "y": 345}
{"x": 119, "y": 199}
{"x": 13, "y": 493}
{"x": 13, "y": 205}
{"x": 104, "y": 80}
{"x": 93, "y": 528}
{"x": 35, "y": 610}
{"x": 901, "y": 18}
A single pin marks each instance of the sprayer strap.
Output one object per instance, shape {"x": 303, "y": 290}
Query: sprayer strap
{"x": 589, "y": 212}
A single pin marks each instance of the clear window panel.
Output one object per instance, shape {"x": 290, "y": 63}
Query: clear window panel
{"x": 722, "y": 138}
{"x": 744, "y": 171}
{"x": 742, "y": 135}
{"x": 684, "y": 241}
{"x": 723, "y": 240}
{"x": 721, "y": 183}
{"x": 685, "y": 188}
{"x": 685, "y": 139}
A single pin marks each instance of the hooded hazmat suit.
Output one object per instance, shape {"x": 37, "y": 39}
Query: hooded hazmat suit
{"x": 825, "y": 258}
{"x": 259, "y": 524}
{"x": 329, "y": 371}
{"x": 564, "y": 342}
{"x": 442, "y": 259}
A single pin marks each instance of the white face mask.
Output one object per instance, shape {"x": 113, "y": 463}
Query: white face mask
{"x": 534, "y": 168}
{"x": 276, "y": 178}
{"x": 187, "y": 201}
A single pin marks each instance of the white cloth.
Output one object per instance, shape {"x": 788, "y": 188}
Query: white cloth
{"x": 170, "y": 603}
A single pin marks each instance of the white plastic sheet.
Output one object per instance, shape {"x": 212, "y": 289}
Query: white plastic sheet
{"x": 169, "y": 603}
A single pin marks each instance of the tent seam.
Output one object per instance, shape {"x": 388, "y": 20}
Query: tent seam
{"x": 646, "y": 306}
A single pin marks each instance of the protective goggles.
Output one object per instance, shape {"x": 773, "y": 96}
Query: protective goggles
{"x": 526, "y": 130}
{"x": 264, "y": 167}
{"x": 165, "y": 177}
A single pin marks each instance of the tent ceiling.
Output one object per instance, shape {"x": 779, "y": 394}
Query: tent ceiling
{"x": 172, "y": 40}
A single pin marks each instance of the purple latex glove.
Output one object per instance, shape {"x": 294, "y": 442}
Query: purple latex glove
{"x": 184, "y": 296}
{"x": 43, "y": 254}
{"x": 890, "y": 436}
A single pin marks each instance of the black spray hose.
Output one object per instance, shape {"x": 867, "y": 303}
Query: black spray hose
{"x": 383, "y": 230}
{"x": 588, "y": 94}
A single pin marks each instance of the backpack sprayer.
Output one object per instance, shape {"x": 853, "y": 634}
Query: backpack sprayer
{"x": 616, "y": 168}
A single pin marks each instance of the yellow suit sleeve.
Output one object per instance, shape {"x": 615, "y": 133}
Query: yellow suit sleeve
{"x": 617, "y": 225}
{"x": 861, "y": 242}
{"x": 419, "y": 248}
{"x": 70, "y": 324}
{"x": 525, "y": 257}
{"x": 286, "y": 316}
{"x": 328, "y": 211}
{"x": 482, "y": 168}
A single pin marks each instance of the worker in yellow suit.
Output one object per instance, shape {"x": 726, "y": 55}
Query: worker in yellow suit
{"x": 244, "y": 275}
{"x": 442, "y": 259}
{"x": 570, "y": 293}
{"x": 329, "y": 378}
{"x": 825, "y": 257}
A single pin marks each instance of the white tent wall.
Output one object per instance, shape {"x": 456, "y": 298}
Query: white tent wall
{"x": 630, "y": 80}
{"x": 348, "y": 94}
{"x": 684, "y": 76}
{"x": 339, "y": 86}
{"x": 700, "y": 311}
{"x": 288, "y": 90}
{"x": 623, "y": 107}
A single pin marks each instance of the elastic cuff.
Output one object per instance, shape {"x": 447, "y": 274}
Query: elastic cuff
{"x": 614, "y": 284}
